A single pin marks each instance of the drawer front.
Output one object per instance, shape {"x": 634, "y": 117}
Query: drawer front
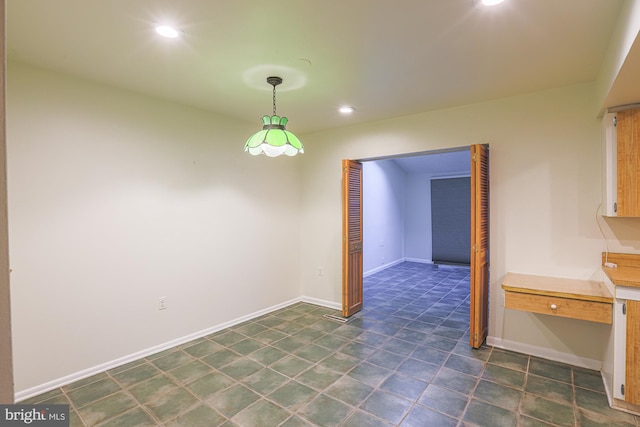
{"x": 564, "y": 307}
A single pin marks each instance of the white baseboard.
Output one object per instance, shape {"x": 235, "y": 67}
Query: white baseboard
{"x": 420, "y": 260}
{"x": 545, "y": 353}
{"x": 68, "y": 379}
{"x": 396, "y": 262}
{"x": 321, "y": 302}
{"x": 383, "y": 267}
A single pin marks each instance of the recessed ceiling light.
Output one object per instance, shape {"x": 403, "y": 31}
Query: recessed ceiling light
{"x": 167, "y": 31}
{"x": 346, "y": 110}
{"x": 491, "y": 2}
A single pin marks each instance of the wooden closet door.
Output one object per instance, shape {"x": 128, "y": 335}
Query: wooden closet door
{"x": 352, "y": 291}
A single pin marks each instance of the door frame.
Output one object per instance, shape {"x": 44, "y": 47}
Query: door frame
{"x": 6, "y": 354}
{"x": 485, "y": 301}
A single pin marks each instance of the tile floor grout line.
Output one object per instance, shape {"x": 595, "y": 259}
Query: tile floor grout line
{"x": 126, "y": 389}
{"x": 72, "y": 405}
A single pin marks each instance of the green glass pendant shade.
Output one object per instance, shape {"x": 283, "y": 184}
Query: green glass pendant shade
{"x": 274, "y": 140}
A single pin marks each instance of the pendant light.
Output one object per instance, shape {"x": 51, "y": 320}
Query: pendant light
{"x": 274, "y": 140}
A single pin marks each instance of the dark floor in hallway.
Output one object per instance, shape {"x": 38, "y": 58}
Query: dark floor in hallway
{"x": 403, "y": 361}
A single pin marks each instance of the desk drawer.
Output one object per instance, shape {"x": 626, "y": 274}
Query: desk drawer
{"x": 556, "y": 306}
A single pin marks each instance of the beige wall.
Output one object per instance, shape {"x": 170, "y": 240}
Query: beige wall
{"x": 545, "y": 189}
{"x": 115, "y": 200}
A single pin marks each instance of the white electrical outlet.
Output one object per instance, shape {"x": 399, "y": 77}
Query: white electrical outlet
{"x": 162, "y": 303}
{"x": 320, "y": 271}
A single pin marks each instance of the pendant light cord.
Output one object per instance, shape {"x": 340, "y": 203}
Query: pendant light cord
{"x": 274, "y": 100}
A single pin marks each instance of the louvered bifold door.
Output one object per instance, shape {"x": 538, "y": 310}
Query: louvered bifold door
{"x": 351, "y": 237}
{"x": 479, "y": 324}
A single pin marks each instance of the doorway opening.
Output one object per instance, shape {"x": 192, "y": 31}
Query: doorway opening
{"x": 395, "y": 233}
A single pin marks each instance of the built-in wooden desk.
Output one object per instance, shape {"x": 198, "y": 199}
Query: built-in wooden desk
{"x": 573, "y": 298}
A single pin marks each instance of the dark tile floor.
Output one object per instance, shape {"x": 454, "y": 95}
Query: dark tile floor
{"x": 403, "y": 361}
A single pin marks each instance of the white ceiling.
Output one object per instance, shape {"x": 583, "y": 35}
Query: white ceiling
{"x": 385, "y": 58}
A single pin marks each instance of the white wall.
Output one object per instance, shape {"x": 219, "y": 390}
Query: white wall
{"x": 418, "y": 217}
{"x": 545, "y": 188}
{"x": 115, "y": 200}
{"x": 383, "y": 200}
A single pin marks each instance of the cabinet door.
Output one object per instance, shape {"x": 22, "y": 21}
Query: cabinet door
{"x": 628, "y": 176}
{"x": 632, "y": 380}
